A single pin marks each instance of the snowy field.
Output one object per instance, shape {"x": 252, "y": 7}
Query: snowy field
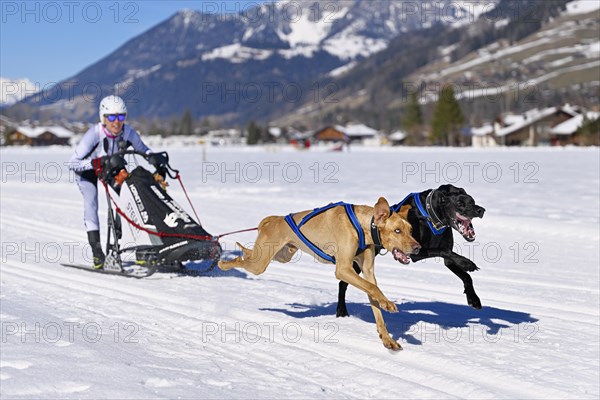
{"x": 74, "y": 334}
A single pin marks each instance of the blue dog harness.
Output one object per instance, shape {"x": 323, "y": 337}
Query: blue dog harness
{"x": 417, "y": 199}
{"x": 351, "y": 216}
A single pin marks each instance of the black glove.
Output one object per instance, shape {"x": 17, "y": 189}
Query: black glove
{"x": 159, "y": 161}
{"x": 108, "y": 166}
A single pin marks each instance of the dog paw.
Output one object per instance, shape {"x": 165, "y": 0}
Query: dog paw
{"x": 224, "y": 265}
{"x": 388, "y": 306}
{"x": 473, "y": 299}
{"x": 468, "y": 266}
{"x": 341, "y": 312}
{"x": 391, "y": 344}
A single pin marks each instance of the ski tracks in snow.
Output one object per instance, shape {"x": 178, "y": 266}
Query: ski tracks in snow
{"x": 231, "y": 335}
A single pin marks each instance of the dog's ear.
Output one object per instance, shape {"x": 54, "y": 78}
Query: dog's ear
{"x": 404, "y": 211}
{"x": 381, "y": 211}
{"x": 451, "y": 189}
{"x": 439, "y": 196}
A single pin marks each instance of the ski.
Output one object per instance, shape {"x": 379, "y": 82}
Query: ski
{"x": 133, "y": 271}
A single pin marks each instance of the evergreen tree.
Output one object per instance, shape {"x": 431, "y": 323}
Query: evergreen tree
{"x": 412, "y": 121}
{"x": 253, "y": 133}
{"x": 187, "y": 123}
{"x": 589, "y": 133}
{"x": 173, "y": 127}
{"x": 447, "y": 118}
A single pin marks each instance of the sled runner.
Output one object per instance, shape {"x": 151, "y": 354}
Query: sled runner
{"x": 130, "y": 271}
{"x": 148, "y": 230}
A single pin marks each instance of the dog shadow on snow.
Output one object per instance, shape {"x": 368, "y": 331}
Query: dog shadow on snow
{"x": 416, "y": 322}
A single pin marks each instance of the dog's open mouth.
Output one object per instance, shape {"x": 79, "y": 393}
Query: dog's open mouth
{"x": 465, "y": 227}
{"x": 400, "y": 256}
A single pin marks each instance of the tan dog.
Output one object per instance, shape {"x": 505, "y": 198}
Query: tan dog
{"x": 333, "y": 233}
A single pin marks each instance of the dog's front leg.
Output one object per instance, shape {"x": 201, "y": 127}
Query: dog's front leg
{"x": 455, "y": 263}
{"x": 344, "y": 272}
{"x": 368, "y": 268}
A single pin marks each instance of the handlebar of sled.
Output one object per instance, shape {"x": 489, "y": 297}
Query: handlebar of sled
{"x": 170, "y": 171}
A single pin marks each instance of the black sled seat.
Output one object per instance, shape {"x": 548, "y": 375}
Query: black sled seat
{"x": 181, "y": 237}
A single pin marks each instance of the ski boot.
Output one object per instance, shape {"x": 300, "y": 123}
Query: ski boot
{"x": 97, "y": 253}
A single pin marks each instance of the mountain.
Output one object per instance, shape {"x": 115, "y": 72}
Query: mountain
{"x": 544, "y": 55}
{"x": 14, "y": 90}
{"x": 246, "y": 65}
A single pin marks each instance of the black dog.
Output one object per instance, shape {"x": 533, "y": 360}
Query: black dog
{"x": 432, "y": 212}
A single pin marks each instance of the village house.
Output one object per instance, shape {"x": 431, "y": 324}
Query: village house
{"x": 330, "y": 134}
{"x": 351, "y": 133}
{"x": 564, "y": 132}
{"x": 483, "y": 136}
{"x": 397, "y": 138}
{"x": 548, "y": 126}
{"x": 39, "y": 136}
{"x": 223, "y": 137}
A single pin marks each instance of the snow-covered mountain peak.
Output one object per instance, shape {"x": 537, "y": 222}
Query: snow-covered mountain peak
{"x": 14, "y": 90}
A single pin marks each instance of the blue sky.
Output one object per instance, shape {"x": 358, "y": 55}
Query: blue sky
{"x": 48, "y": 41}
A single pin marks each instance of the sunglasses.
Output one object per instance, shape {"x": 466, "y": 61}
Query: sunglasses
{"x": 113, "y": 117}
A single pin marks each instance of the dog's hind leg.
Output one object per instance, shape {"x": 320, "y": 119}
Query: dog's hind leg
{"x": 272, "y": 237}
{"x": 342, "y": 311}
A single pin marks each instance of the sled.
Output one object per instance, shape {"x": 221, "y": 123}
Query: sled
{"x": 146, "y": 226}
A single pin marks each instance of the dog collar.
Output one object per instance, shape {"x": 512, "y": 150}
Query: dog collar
{"x": 375, "y": 235}
{"x": 437, "y": 227}
{"x": 437, "y": 222}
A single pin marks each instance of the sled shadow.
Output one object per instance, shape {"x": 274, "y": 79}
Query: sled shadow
{"x": 415, "y": 320}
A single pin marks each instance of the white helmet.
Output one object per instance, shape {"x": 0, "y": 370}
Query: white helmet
{"x": 112, "y": 105}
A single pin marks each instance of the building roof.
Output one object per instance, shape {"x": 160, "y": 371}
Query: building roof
{"x": 486, "y": 129}
{"x": 275, "y": 131}
{"x": 58, "y": 131}
{"x": 517, "y": 122}
{"x": 354, "y": 130}
{"x": 571, "y": 125}
{"x": 297, "y": 135}
{"x": 397, "y": 136}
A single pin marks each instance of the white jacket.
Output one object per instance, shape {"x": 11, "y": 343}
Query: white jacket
{"x": 98, "y": 142}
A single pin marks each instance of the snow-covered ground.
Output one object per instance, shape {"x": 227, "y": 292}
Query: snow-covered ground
{"x": 74, "y": 334}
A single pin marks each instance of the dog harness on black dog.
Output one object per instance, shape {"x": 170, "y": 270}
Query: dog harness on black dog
{"x": 424, "y": 213}
{"x": 351, "y": 216}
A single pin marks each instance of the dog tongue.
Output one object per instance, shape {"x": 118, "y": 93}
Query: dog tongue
{"x": 400, "y": 256}
{"x": 470, "y": 231}
{"x": 465, "y": 226}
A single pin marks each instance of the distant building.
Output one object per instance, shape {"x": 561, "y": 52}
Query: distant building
{"x": 483, "y": 136}
{"x": 40, "y": 136}
{"x": 548, "y": 126}
{"x": 221, "y": 137}
{"x": 331, "y": 134}
{"x": 348, "y": 134}
{"x": 564, "y": 132}
{"x": 397, "y": 138}
{"x": 532, "y": 127}
{"x": 359, "y": 132}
